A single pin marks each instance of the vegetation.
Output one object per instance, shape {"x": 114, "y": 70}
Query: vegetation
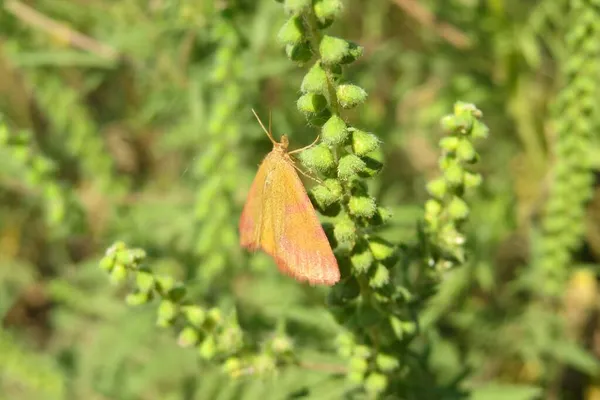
{"x": 455, "y": 176}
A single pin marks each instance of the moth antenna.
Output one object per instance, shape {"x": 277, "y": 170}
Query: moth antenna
{"x": 307, "y": 175}
{"x": 268, "y": 132}
{"x": 305, "y": 147}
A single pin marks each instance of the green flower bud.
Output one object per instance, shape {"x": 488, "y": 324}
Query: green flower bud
{"x": 362, "y": 206}
{"x": 107, "y": 263}
{"x": 349, "y": 96}
{"x": 386, "y": 362}
{"x": 299, "y": 52}
{"x": 380, "y": 278}
{"x": 327, "y": 193}
{"x": 264, "y": 364}
{"x": 354, "y": 53}
{"x": 381, "y": 249}
{"x": 376, "y": 383}
{"x": 144, "y": 281}
{"x": 479, "y": 130}
{"x": 437, "y": 188}
{"x": 458, "y": 209}
{"x": 362, "y": 351}
{"x": 195, "y": 315}
{"x": 472, "y": 180}
{"x": 345, "y": 232}
{"x": 465, "y": 151}
{"x": 349, "y": 166}
{"x": 327, "y": 11}
{"x": 453, "y": 173}
{"x": 167, "y": 310}
{"x": 315, "y": 81}
{"x": 433, "y": 208}
{"x": 364, "y": 142}
{"x": 292, "y": 32}
{"x": 165, "y": 283}
{"x": 318, "y": 158}
{"x": 467, "y": 110}
{"x": 208, "y": 348}
{"x": 334, "y": 131}
{"x": 118, "y": 274}
{"x": 449, "y": 143}
{"x": 214, "y": 316}
{"x": 358, "y": 364}
{"x": 188, "y": 337}
{"x": 311, "y": 103}
{"x": 356, "y": 378}
{"x": 137, "y": 298}
{"x": 452, "y": 124}
{"x": 232, "y": 366}
{"x": 296, "y": 6}
{"x": 333, "y": 50}
{"x": 361, "y": 258}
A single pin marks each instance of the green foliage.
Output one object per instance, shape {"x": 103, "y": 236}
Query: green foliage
{"x": 469, "y": 261}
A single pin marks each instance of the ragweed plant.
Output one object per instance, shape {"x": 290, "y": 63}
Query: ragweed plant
{"x": 375, "y": 301}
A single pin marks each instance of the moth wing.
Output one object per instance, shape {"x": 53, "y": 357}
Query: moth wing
{"x": 251, "y": 221}
{"x": 301, "y": 246}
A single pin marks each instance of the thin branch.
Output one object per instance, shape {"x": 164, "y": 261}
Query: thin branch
{"x": 426, "y": 18}
{"x": 60, "y": 30}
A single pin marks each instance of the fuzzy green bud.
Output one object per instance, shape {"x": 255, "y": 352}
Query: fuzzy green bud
{"x": 458, "y": 209}
{"x": 195, "y": 315}
{"x": 299, "y": 52}
{"x": 479, "y": 130}
{"x": 327, "y": 193}
{"x": 292, "y": 32}
{"x": 449, "y": 143}
{"x": 167, "y": 311}
{"x": 375, "y": 384}
{"x": 188, "y": 337}
{"x": 453, "y": 173}
{"x": 118, "y": 274}
{"x": 362, "y": 206}
{"x": 349, "y": 96}
{"x": 361, "y": 258}
{"x": 344, "y": 232}
{"x": 107, "y": 263}
{"x": 386, "y": 362}
{"x": 457, "y": 124}
{"x": 208, "y": 348}
{"x": 437, "y": 188}
{"x": 232, "y": 366}
{"x": 315, "y": 80}
{"x": 311, "y": 103}
{"x": 214, "y": 316}
{"x": 472, "y": 180}
{"x": 358, "y": 364}
{"x": 333, "y": 50}
{"x": 349, "y": 166}
{"x": 327, "y": 11}
{"x": 165, "y": 283}
{"x": 318, "y": 158}
{"x": 465, "y": 151}
{"x": 296, "y": 6}
{"x": 381, "y": 249}
{"x": 137, "y": 298}
{"x": 364, "y": 143}
{"x": 380, "y": 278}
{"x": 144, "y": 281}
{"x": 334, "y": 131}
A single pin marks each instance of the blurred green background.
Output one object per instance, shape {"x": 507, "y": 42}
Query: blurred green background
{"x": 131, "y": 120}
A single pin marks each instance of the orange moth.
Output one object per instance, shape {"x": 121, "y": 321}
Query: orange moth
{"x": 279, "y": 219}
